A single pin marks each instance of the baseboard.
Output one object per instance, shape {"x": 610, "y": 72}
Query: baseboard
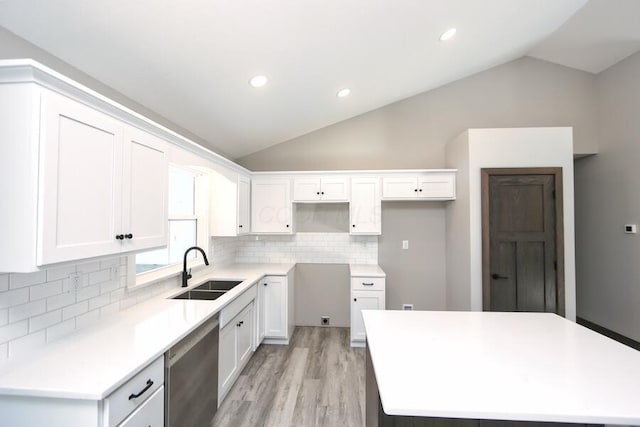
{"x": 609, "y": 333}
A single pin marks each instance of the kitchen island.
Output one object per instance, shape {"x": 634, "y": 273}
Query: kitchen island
{"x": 472, "y": 368}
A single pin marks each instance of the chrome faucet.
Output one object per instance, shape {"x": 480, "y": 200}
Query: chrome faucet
{"x": 186, "y": 275}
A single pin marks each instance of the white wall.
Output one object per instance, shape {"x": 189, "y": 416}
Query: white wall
{"x": 607, "y": 198}
{"x": 515, "y": 147}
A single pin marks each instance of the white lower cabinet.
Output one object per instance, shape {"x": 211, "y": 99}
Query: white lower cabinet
{"x": 149, "y": 414}
{"x": 367, "y": 293}
{"x": 236, "y": 347}
{"x": 278, "y": 313}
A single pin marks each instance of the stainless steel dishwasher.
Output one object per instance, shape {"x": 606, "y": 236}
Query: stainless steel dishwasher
{"x": 192, "y": 378}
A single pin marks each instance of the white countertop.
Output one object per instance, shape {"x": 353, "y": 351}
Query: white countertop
{"x": 366, "y": 270}
{"x": 95, "y": 361}
{"x": 506, "y": 366}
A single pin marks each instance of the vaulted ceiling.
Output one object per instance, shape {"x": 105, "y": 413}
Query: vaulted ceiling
{"x": 191, "y": 60}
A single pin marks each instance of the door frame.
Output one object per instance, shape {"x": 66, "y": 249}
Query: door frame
{"x": 485, "y": 173}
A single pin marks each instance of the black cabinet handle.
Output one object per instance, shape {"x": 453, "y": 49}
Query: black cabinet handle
{"x": 322, "y": 192}
{"x": 318, "y": 193}
{"x": 240, "y": 226}
{"x": 496, "y": 276}
{"x": 416, "y": 190}
{"x": 287, "y": 225}
{"x": 264, "y": 284}
{"x": 355, "y": 299}
{"x": 119, "y": 236}
{"x": 367, "y": 284}
{"x": 241, "y": 322}
{"x": 421, "y": 190}
{"x": 128, "y": 236}
{"x": 354, "y": 226}
{"x": 147, "y": 387}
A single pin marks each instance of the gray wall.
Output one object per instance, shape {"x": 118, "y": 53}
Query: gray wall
{"x": 415, "y": 275}
{"x": 412, "y": 133}
{"x": 322, "y": 290}
{"x": 607, "y": 198}
{"x": 14, "y": 47}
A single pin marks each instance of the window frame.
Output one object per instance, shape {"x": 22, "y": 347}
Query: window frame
{"x": 201, "y": 207}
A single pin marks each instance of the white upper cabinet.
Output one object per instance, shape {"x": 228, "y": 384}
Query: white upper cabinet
{"x": 271, "y": 207}
{"x": 316, "y": 189}
{"x": 436, "y": 185}
{"x": 104, "y": 184}
{"x": 81, "y": 196}
{"x": 365, "y": 208}
{"x": 145, "y": 182}
{"x": 230, "y": 202}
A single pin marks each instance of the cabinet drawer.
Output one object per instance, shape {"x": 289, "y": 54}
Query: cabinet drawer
{"x": 367, "y": 283}
{"x": 150, "y": 413}
{"x": 232, "y": 310}
{"x": 121, "y": 402}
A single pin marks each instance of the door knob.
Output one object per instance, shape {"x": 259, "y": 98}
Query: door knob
{"x": 496, "y": 276}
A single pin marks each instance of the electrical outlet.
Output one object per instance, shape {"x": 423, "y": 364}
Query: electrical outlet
{"x": 75, "y": 281}
{"x": 325, "y": 320}
{"x": 407, "y": 307}
{"x": 405, "y": 244}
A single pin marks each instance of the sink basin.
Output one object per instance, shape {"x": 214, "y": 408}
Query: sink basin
{"x": 202, "y": 295}
{"x": 219, "y": 285}
{"x": 213, "y": 289}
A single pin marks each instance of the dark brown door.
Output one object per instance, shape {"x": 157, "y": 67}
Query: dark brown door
{"x": 522, "y": 240}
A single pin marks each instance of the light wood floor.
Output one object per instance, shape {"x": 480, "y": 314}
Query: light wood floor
{"x": 318, "y": 380}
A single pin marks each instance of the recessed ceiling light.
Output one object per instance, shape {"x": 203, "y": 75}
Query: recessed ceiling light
{"x": 343, "y": 92}
{"x": 448, "y": 34}
{"x": 258, "y": 81}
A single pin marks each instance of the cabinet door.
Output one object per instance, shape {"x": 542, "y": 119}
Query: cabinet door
{"x": 365, "y": 207}
{"x": 80, "y": 209}
{"x": 306, "y": 189}
{"x": 260, "y": 325}
{"x": 245, "y": 335}
{"x": 227, "y": 357}
{"x": 334, "y": 189}
{"x": 145, "y": 187}
{"x": 363, "y": 300}
{"x": 244, "y": 185}
{"x": 400, "y": 187}
{"x": 275, "y": 304}
{"x": 271, "y": 206}
{"x": 437, "y": 186}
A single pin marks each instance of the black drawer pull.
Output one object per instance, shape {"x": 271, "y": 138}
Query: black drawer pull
{"x": 128, "y": 236}
{"x": 496, "y": 276}
{"x": 147, "y": 387}
{"x": 119, "y": 236}
{"x": 367, "y": 284}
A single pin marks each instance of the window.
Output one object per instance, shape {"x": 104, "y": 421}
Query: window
{"x": 187, "y": 227}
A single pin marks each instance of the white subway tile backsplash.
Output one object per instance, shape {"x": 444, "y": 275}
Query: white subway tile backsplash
{"x": 58, "y": 273}
{"x": 20, "y": 280}
{"x": 99, "y": 301}
{"x": 88, "y": 267}
{"x": 27, "y": 344}
{"x": 4, "y": 283}
{"x": 108, "y": 287}
{"x": 15, "y": 297}
{"x": 100, "y": 276}
{"x": 61, "y": 300}
{"x": 4, "y": 316}
{"x": 4, "y": 351}
{"x": 13, "y": 331}
{"x": 45, "y": 290}
{"x": 75, "y": 310}
{"x": 45, "y": 320}
{"x": 25, "y": 311}
{"x": 60, "y": 330}
{"x": 88, "y": 292}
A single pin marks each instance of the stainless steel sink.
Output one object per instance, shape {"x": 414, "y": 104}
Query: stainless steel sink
{"x": 213, "y": 289}
{"x": 219, "y": 285}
